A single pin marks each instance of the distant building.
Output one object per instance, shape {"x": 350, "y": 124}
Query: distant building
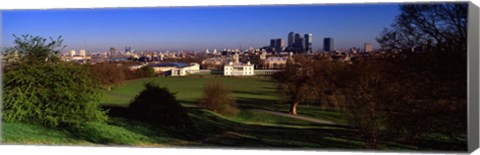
{"x": 176, "y": 69}
{"x": 72, "y": 53}
{"x": 275, "y": 62}
{"x": 308, "y": 42}
{"x": 299, "y": 43}
{"x": 83, "y": 53}
{"x": 368, "y": 47}
{"x": 238, "y": 69}
{"x": 279, "y": 45}
{"x": 113, "y": 51}
{"x": 328, "y": 44}
{"x": 291, "y": 39}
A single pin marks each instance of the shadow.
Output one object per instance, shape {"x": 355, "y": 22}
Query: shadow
{"x": 263, "y": 104}
{"x": 267, "y": 93}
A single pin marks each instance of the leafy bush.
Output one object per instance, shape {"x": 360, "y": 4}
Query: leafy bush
{"x": 51, "y": 95}
{"x": 147, "y": 71}
{"x": 158, "y": 106}
{"x": 218, "y": 98}
{"x": 108, "y": 74}
{"x": 143, "y": 72}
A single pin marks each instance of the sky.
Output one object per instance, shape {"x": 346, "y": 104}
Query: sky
{"x": 199, "y": 28}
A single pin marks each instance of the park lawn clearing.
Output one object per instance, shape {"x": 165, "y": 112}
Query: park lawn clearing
{"x": 250, "y": 128}
{"x": 250, "y": 93}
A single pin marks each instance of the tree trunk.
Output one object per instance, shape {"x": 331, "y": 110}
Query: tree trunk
{"x": 293, "y": 106}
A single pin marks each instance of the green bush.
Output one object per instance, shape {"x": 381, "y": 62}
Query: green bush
{"x": 218, "y": 98}
{"x": 143, "y": 72}
{"x": 51, "y": 94}
{"x": 158, "y": 106}
{"x": 147, "y": 71}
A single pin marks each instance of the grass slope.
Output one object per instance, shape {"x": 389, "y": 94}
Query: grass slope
{"x": 251, "y": 129}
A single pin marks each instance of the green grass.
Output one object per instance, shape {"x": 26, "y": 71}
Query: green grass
{"x": 254, "y": 117}
{"x": 188, "y": 90}
{"x": 22, "y": 133}
{"x": 249, "y": 128}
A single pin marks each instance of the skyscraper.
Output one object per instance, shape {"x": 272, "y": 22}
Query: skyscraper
{"x": 279, "y": 45}
{"x": 291, "y": 39}
{"x": 328, "y": 44}
{"x": 113, "y": 51}
{"x": 273, "y": 43}
{"x": 308, "y": 42}
{"x": 299, "y": 43}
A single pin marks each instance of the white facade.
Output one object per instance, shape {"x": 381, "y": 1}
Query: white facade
{"x": 83, "y": 53}
{"x": 178, "y": 71}
{"x": 238, "y": 69}
{"x": 72, "y": 53}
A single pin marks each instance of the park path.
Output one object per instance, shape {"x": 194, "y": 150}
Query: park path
{"x": 314, "y": 120}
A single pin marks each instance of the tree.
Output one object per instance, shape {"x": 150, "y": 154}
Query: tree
{"x": 368, "y": 91}
{"x": 40, "y": 89}
{"x": 218, "y": 98}
{"x": 433, "y": 80}
{"x": 108, "y": 74}
{"x": 294, "y": 81}
{"x": 443, "y": 25}
{"x": 35, "y": 49}
{"x": 158, "y": 106}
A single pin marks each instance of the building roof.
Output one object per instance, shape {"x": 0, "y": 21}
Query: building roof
{"x": 170, "y": 64}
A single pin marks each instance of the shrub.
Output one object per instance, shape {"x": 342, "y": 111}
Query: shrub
{"x": 147, "y": 71}
{"x": 51, "y": 95}
{"x": 218, "y": 98}
{"x": 108, "y": 74}
{"x": 143, "y": 72}
{"x": 158, "y": 106}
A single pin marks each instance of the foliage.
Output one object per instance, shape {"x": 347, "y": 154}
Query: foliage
{"x": 293, "y": 81}
{"x": 158, "y": 106}
{"x": 218, "y": 98}
{"x": 108, "y": 74}
{"x": 443, "y": 25}
{"x": 51, "y": 95}
{"x": 143, "y": 72}
{"x": 433, "y": 82}
{"x": 148, "y": 71}
{"x": 35, "y": 49}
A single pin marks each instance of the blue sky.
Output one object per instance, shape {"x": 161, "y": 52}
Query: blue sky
{"x": 197, "y": 28}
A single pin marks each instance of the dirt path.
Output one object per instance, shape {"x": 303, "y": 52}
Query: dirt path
{"x": 314, "y": 120}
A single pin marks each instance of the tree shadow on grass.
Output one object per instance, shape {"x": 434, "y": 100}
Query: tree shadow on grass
{"x": 263, "y": 104}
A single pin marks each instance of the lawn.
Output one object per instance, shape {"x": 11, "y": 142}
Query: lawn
{"x": 250, "y": 128}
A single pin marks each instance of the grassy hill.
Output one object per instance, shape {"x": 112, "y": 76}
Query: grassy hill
{"x": 250, "y": 128}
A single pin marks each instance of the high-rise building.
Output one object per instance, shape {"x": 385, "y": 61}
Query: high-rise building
{"x": 279, "y": 44}
{"x": 328, "y": 44}
{"x": 368, "y": 47}
{"x": 291, "y": 39}
{"x": 128, "y": 49}
{"x": 113, "y": 51}
{"x": 299, "y": 42}
{"x": 273, "y": 43}
{"x": 308, "y": 43}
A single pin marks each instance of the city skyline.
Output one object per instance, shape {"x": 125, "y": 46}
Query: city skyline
{"x": 199, "y": 28}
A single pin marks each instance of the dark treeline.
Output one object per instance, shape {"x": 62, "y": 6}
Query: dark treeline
{"x": 407, "y": 95}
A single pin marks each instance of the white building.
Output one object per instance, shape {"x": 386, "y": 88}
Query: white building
{"x": 238, "y": 69}
{"x": 83, "y": 53}
{"x": 72, "y": 53}
{"x": 176, "y": 69}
